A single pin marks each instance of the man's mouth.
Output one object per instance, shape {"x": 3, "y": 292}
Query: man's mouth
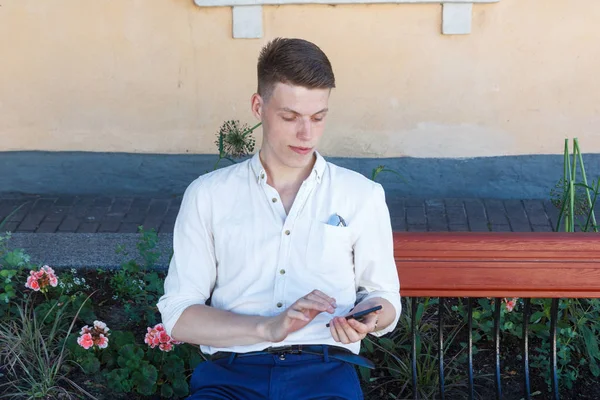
{"x": 301, "y": 150}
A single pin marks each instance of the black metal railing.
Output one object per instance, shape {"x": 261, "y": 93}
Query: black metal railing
{"x": 497, "y": 314}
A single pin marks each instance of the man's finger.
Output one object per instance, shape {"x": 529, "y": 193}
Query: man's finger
{"x": 333, "y": 331}
{"x": 322, "y": 295}
{"x": 297, "y": 315}
{"x": 318, "y": 305}
{"x": 341, "y": 332}
{"x": 352, "y": 335}
{"x": 319, "y": 298}
{"x": 360, "y": 327}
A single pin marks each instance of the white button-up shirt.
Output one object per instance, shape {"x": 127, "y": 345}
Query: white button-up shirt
{"x": 234, "y": 243}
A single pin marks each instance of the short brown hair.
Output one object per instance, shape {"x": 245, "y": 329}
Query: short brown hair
{"x": 293, "y": 61}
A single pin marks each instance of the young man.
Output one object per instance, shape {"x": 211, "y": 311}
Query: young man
{"x": 270, "y": 251}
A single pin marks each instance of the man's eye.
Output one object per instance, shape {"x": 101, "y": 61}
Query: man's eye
{"x": 289, "y": 118}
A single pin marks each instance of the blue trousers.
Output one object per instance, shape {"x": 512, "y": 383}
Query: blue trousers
{"x": 293, "y": 377}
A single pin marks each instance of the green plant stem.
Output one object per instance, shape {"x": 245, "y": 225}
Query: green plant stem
{"x": 566, "y": 180}
{"x": 574, "y": 160}
{"x": 572, "y": 206}
{"x": 585, "y": 313}
{"x": 585, "y": 182}
{"x": 252, "y": 129}
{"x": 217, "y": 163}
{"x": 592, "y": 204}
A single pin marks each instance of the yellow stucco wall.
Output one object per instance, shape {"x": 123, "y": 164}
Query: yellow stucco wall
{"x": 160, "y": 76}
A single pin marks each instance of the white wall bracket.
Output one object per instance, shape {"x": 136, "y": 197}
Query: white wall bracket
{"x": 247, "y": 22}
{"x": 248, "y": 19}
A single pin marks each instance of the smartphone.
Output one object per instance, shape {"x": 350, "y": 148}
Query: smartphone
{"x": 361, "y": 314}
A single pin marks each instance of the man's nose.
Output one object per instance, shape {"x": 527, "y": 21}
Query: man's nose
{"x": 305, "y": 129}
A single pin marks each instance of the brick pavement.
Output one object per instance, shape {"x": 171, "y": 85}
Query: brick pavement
{"x": 87, "y": 214}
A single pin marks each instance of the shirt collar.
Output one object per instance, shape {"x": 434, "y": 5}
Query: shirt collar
{"x": 261, "y": 175}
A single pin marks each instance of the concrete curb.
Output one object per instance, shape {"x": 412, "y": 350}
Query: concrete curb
{"x": 87, "y": 250}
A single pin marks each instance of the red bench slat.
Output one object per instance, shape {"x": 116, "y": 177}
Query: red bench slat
{"x": 488, "y": 264}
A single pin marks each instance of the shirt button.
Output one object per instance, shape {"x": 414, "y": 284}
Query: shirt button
{"x": 274, "y": 200}
{"x": 287, "y": 233}
{"x": 282, "y": 271}
{"x": 262, "y": 176}
{"x": 279, "y": 305}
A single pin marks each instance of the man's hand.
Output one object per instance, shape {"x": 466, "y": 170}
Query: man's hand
{"x": 351, "y": 330}
{"x": 297, "y": 316}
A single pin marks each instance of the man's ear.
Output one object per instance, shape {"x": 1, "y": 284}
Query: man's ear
{"x": 256, "y": 104}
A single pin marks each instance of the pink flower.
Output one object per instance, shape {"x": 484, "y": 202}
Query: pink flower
{"x": 101, "y": 326}
{"x": 85, "y": 341}
{"x": 166, "y": 347}
{"x": 157, "y": 336}
{"x": 51, "y": 276}
{"x": 102, "y": 341}
{"x": 40, "y": 280}
{"x": 96, "y": 336}
{"x": 32, "y": 283}
{"x": 510, "y": 304}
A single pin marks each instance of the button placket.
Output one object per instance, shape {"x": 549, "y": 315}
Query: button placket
{"x": 287, "y": 237}
{"x": 275, "y": 201}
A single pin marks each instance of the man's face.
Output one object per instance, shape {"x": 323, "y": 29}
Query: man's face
{"x": 293, "y": 120}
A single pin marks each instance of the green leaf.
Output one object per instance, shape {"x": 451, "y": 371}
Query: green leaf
{"x": 368, "y": 346}
{"x": 591, "y": 345}
{"x": 130, "y": 356}
{"x": 7, "y": 273}
{"x": 166, "y": 390}
{"x": 594, "y": 369}
{"x": 173, "y": 368}
{"x": 387, "y": 344}
{"x": 149, "y": 372}
{"x": 145, "y": 379}
{"x": 538, "y": 328}
{"x": 181, "y": 387}
{"x": 194, "y": 360}
{"x": 118, "y": 380}
{"x": 420, "y": 310}
{"x": 508, "y": 325}
{"x": 591, "y": 342}
{"x": 121, "y": 339}
{"x": 90, "y": 365}
{"x": 16, "y": 258}
{"x": 365, "y": 373}
{"x": 537, "y": 317}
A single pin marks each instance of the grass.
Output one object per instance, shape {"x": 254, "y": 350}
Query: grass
{"x": 33, "y": 354}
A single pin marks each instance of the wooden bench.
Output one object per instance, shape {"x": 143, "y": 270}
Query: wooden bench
{"x": 474, "y": 264}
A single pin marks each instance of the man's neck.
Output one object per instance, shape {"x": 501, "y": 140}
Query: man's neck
{"x": 282, "y": 177}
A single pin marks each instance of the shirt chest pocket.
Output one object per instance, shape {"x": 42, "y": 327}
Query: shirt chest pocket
{"x": 329, "y": 248}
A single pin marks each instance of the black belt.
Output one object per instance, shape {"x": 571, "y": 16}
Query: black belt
{"x": 333, "y": 352}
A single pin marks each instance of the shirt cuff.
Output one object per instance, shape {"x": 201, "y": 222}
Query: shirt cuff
{"x": 393, "y": 298}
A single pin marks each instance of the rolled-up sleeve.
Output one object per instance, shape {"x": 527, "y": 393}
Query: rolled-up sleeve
{"x": 192, "y": 270}
{"x": 375, "y": 267}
